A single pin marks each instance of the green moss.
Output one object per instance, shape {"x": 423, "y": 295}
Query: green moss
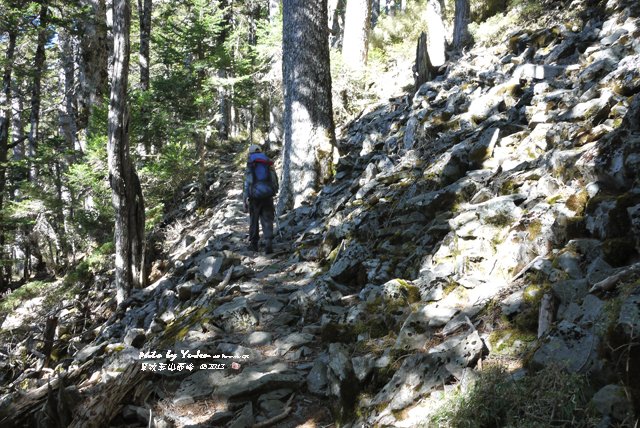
{"x": 451, "y": 285}
{"x": 534, "y": 229}
{"x": 508, "y": 187}
{"x": 412, "y": 292}
{"x": 577, "y": 202}
{"x": 333, "y": 254}
{"x": 180, "y": 327}
{"x": 503, "y": 341}
{"x": 499, "y": 220}
{"x": 553, "y": 199}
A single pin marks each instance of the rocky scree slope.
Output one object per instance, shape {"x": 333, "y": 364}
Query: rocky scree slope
{"x": 493, "y": 218}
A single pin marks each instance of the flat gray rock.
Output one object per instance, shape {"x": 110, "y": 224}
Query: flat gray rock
{"x": 258, "y": 338}
{"x": 571, "y": 347}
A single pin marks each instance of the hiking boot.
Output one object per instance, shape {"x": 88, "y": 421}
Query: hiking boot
{"x": 253, "y": 246}
{"x": 268, "y": 248}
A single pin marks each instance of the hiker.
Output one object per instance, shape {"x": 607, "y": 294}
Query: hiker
{"x": 260, "y": 186}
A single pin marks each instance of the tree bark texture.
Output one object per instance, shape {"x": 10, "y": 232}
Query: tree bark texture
{"x": 375, "y": 12}
{"x": 38, "y": 65}
{"x": 309, "y": 130}
{"x": 423, "y": 67}
{"x": 224, "y": 108}
{"x": 5, "y": 118}
{"x": 67, "y": 113}
{"x": 355, "y": 46}
{"x": 93, "y": 68}
{"x": 435, "y": 33}
{"x": 17, "y": 130}
{"x": 127, "y": 198}
{"x": 335, "y": 27}
{"x": 461, "y": 24}
{"x": 144, "y": 12}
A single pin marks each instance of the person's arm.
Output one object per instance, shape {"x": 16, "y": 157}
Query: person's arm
{"x": 274, "y": 180}
{"x": 248, "y": 180}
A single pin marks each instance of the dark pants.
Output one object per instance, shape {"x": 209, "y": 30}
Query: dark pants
{"x": 261, "y": 210}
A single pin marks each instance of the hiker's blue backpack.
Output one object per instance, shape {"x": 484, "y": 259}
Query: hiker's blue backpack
{"x": 260, "y": 166}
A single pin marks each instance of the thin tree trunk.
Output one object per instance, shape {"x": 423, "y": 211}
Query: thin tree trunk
{"x": 333, "y": 15}
{"x": 273, "y": 106}
{"x": 224, "y": 108}
{"x": 308, "y": 116}
{"x": 93, "y": 67}
{"x": 19, "y": 173}
{"x": 356, "y": 33}
{"x": 127, "y": 198}
{"x": 17, "y": 130}
{"x": 67, "y": 112}
{"x": 375, "y": 12}
{"x": 5, "y": 117}
{"x": 144, "y": 60}
{"x": 144, "y": 12}
{"x": 461, "y": 24}
{"x": 38, "y": 65}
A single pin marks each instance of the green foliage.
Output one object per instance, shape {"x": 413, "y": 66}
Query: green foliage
{"x": 162, "y": 176}
{"x": 28, "y": 291}
{"x": 99, "y": 260}
{"x": 520, "y": 13}
{"x": 550, "y": 397}
{"x": 392, "y": 33}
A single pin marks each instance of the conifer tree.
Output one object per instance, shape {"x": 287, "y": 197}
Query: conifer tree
{"x": 308, "y": 116}
{"x": 356, "y": 33}
{"x": 127, "y": 198}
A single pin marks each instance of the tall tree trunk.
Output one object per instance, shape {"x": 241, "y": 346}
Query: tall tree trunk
{"x": 38, "y": 65}
{"x": 144, "y": 12}
{"x": 17, "y": 130}
{"x": 5, "y": 118}
{"x": 144, "y": 60}
{"x": 461, "y": 24}
{"x": 308, "y": 116}
{"x": 274, "y": 102}
{"x": 435, "y": 33}
{"x": 224, "y": 108}
{"x": 125, "y": 185}
{"x": 356, "y": 33}
{"x": 375, "y": 12}
{"x": 93, "y": 67}
{"x": 67, "y": 111}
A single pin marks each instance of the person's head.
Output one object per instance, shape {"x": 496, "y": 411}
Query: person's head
{"x": 254, "y": 148}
